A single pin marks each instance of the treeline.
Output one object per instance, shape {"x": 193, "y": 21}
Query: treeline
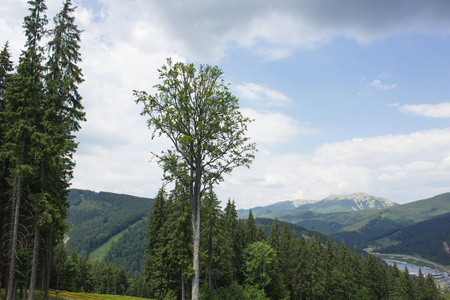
{"x": 40, "y": 109}
{"x": 96, "y": 217}
{"x": 78, "y": 273}
{"x": 239, "y": 262}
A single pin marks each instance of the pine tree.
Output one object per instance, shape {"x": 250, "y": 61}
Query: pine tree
{"x": 274, "y": 237}
{"x": 215, "y": 245}
{"x": 156, "y": 235}
{"x": 179, "y": 239}
{"x": 232, "y": 249}
{"x": 286, "y": 247}
{"x": 6, "y": 69}
{"x": 300, "y": 268}
{"x": 251, "y": 229}
{"x": 21, "y": 117}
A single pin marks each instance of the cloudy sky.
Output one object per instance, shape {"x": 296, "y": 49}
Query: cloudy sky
{"x": 347, "y": 96}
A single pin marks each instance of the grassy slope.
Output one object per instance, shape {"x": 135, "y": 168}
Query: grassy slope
{"x": 100, "y": 252}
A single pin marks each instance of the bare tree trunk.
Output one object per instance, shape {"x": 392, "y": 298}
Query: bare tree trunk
{"x": 11, "y": 288}
{"x": 195, "y": 212}
{"x": 196, "y": 254}
{"x": 183, "y": 293}
{"x": 48, "y": 263}
{"x": 35, "y": 261}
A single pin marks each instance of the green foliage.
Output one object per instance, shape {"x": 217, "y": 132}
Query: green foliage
{"x": 196, "y": 111}
{"x": 261, "y": 269}
{"x": 128, "y": 252}
{"x": 168, "y": 265}
{"x": 236, "y": 291}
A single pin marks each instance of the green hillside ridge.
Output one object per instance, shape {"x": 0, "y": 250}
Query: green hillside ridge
{"x": 125, "y": 248}
{"x": 124, "y": 238}
{"x": 427, "y": 239}
{"x": 95, "y": 218}
{"x": 370, "y": 227}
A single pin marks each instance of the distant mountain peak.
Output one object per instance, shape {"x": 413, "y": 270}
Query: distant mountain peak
{"x": 300, "y": 202}
{"x": 362, "y": 200}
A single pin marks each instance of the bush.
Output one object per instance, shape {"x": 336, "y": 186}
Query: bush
{"x": 234, "y": 291}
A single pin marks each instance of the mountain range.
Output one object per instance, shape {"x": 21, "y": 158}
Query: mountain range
{"x": 372, "y": 222}
{"x": 332, "y": 203}
{"x": 113, "y": 226}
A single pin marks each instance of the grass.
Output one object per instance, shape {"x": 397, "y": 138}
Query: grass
{"x": 100, "y": 252}
{"x": 64, "y": 295}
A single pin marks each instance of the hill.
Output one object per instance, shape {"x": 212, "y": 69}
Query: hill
{"x": 113, "y": 227}
{"x": 97, "y": 217}
{"x": 430, "y": 239}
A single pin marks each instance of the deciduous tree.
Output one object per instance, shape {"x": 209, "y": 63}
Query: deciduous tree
{"x": 201, "y": 117}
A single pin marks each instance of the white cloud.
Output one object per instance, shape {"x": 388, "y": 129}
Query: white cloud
{"x": 382, "y": 86}
{"x": 270, "y": 128}
{"x": 402, "y": 168}
{"x": 124, "y": 43}
{"x": 260, "y": 95}
{"x": 441, "y": 110}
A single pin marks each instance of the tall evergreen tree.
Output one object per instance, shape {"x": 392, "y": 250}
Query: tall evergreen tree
{"x": 212, "y": 238}
{"x": 6, "y": 69}
{"x": 231, "y": 233}
{"x": 179, "y": 239}
{"x": 284, "y": 253}
{"x": 21, "y": 117}
{"x": 154, "y": 263}
{"x": 251, "y": 229}
{"x": 274, "y": 236}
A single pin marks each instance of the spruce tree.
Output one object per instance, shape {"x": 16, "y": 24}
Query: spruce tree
{"x": 284, "y": 253}
{"x": 213, "y": 240}
{"x": 233, "y": 251}
{"x": 179, "y": 239}
{"x": 21, "y": 117}
{"x": 251, "y": 229}
{"x": 154, "y": 263}
{"x": 6, "y": 69}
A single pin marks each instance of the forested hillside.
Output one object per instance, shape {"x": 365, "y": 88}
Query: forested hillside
{"x": 429, "y": 239}
{"x": 128, "y": 252}
{"x": 96, "y": 217}
{"x": 239, "y": 261}
{"x": 90, "y": 209}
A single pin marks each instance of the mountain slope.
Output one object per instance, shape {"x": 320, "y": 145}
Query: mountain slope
{"x": 349, "y": 202}
{"x": 429, "y": 239}
{"x": 367, "y": 227}
{"x": 96, "y": 217}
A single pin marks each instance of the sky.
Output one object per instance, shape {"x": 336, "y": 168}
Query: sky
{"x": 346, "y": 96}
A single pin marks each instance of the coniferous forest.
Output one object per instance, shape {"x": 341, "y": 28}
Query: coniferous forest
{"x": 40, "y": 110}
{"x": 238, "y": 261}
{"x": 190, "y": 241}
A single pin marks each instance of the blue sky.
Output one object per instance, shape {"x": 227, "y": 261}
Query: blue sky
{"x": 347, "y": 96}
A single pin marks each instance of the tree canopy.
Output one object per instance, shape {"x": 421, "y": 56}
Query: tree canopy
{"x": 201, "y": 117}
